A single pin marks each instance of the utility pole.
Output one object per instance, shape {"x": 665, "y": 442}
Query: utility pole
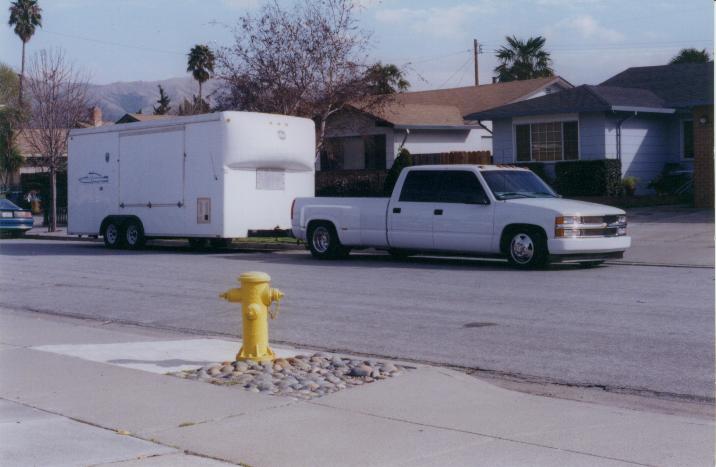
{"x": 476, "y": 51}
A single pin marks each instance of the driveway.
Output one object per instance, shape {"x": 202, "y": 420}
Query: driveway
{"x": 671, "y": 235}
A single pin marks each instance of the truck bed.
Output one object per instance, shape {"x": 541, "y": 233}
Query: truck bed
{"x": 362, "y": 221}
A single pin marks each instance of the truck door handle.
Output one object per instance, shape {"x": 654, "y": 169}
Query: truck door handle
{"x": 396, "y": 210}
{"x": 438, "y": 212}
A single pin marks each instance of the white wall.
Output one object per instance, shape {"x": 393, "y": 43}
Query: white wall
{"x": 439, "y": 141}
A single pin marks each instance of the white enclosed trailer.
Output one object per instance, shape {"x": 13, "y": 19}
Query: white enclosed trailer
{"x": 213, "y": 176}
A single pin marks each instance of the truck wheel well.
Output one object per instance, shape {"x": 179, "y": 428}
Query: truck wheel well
{"x": 315, "y": 222}
{"x": 120, "y": 220}
{"x": 505, "y": 237}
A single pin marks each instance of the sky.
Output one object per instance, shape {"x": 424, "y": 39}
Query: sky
{"x": 589, "y": 40}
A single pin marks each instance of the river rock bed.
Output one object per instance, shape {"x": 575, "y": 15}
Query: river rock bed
{"x": 302, "y": 376}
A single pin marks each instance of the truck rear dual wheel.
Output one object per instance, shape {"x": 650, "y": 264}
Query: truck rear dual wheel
{"x": 527, "y": 248}
{"x": 324, "y": 243}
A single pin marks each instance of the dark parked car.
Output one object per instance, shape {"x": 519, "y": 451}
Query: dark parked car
{"x": 14, "y": 221}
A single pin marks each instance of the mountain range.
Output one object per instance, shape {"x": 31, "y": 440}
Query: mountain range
{"x": 117, "y": 99}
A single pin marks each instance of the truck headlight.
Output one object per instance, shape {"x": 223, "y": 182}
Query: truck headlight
{"x": 567, "y": 220}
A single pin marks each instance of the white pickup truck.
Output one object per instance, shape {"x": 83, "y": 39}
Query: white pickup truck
{"x": 468, "y": 210}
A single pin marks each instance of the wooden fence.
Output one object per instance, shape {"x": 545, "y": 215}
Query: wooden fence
{"x": 458, "y": 157}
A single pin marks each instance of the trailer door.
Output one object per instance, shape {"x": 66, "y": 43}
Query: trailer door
{"x": 152, "y": 168}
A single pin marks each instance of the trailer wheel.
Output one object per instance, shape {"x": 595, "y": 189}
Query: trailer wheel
{"x": 134, "y": 234}
{"x": 112, "y": 234}
{"x": 324, "y": 243}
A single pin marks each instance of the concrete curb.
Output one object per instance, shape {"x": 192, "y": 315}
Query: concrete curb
{"x": 238, "y": 246}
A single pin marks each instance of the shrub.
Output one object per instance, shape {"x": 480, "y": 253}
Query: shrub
{"x": 589, "y": 178}
{"x": 670, "y": 181}
{"x": 539, "y": 169}
{"x": 629, "y": 184}
{"x": 403, "y": 160}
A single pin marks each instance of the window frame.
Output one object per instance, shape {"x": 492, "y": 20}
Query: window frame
{"x": 536, "y": 121}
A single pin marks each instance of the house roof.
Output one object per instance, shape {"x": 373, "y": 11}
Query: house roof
{"x": 447, "y": 107}
{"x": 132, "y": 118}
{"x": 410, "y": 115}
{"x": 680, "y": 85}
{"x": 583, "y": 98}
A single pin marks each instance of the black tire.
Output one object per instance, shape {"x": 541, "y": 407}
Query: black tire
{"x": 133, "y": 235}
{"x": 590, "y": 264}
{"x": 324, "y": 243}
{"x": 400, "y": 254}
{"x": 112, "y": 234}
{"x": 198, "y": 243}
{"x": 526, "y": 248}
{"x": 220, "y": 243}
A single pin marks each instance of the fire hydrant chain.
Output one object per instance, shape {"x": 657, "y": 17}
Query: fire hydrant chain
{"x": 274, "y": 310}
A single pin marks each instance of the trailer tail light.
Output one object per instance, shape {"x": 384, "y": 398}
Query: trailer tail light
{"x": 293, "y": 204}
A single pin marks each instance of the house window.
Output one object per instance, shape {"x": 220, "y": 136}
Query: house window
{"x": 549, "y": 141}
{"x": 687, "y": 139}
{"x": 374, "y": 152}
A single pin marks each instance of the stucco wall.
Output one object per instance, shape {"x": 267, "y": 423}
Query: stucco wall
{"x": 438, "y": 141}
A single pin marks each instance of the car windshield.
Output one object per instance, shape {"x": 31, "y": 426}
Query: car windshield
{"x": 7, "y": 204}
{"x": 510, "y": 184}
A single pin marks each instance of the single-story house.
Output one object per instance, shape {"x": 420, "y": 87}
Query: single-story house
{"x": 643, "y": 116}
{"x": 137, "y": 117}
{"x": 24, "y": 142}
{"x": 368, "y": 136}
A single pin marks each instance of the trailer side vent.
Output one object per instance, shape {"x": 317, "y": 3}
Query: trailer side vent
{"x": 270, "y": 179}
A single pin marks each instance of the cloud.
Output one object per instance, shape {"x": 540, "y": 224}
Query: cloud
{"x": 587, "y": 27}
{"x": 436, "y": 21}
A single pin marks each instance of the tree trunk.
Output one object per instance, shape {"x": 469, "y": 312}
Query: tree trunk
{"x": 53, "y": 200}
{"x": 199, "y": 92}
{"x": 22, "y": 73}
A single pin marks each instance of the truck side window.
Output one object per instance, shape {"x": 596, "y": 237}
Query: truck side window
{"x": 461, "y": 187}
{"x": 421, "y": 186}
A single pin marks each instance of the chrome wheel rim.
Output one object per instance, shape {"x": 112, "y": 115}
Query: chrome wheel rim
{"x": 132, "y": 234}
{"x": 522, "y": 248}
{"x": 111, "y": 234}
{"x": 321, "y": 239}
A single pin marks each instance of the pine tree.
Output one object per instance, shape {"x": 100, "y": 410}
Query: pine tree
{"x": 163, "y": 108}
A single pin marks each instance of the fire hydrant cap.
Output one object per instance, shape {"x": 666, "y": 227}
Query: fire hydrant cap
{"x": 254, "y": 277}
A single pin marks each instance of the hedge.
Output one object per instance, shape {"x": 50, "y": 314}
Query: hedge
{"x": 589, "y": 178}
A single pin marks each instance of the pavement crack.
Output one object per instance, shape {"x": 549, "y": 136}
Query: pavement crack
{"x": 474, "y": 433}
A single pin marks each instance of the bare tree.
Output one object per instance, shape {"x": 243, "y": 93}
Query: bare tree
{"x": 309, "y": 61}
{"x": 58, "y": 103}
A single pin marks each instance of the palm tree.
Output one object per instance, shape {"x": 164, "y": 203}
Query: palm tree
{"x": 691, "y": 55}
{"x": 201, "y": 64}
{"x": 386, "y": 79}
{"x": 25, "y": 15}
{"x": 523, "y": 60}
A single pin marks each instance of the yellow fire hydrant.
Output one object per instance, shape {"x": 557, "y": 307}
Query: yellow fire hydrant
{"x": 255, "y": 296}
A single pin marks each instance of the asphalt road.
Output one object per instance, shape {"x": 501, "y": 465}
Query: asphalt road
{"x": 642, "y": 329}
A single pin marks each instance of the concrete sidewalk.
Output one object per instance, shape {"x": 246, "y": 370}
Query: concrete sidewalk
{"x": 75, "y": 392}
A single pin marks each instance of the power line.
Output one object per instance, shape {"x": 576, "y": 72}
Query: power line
{"x": 456, "y": 71}
{"x": 115, "y": 44}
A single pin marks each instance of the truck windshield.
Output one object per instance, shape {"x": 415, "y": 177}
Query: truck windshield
{"x": 509, "y": 184}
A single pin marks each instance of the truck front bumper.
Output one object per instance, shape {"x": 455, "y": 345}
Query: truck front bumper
{"x": 595, "y": 248}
